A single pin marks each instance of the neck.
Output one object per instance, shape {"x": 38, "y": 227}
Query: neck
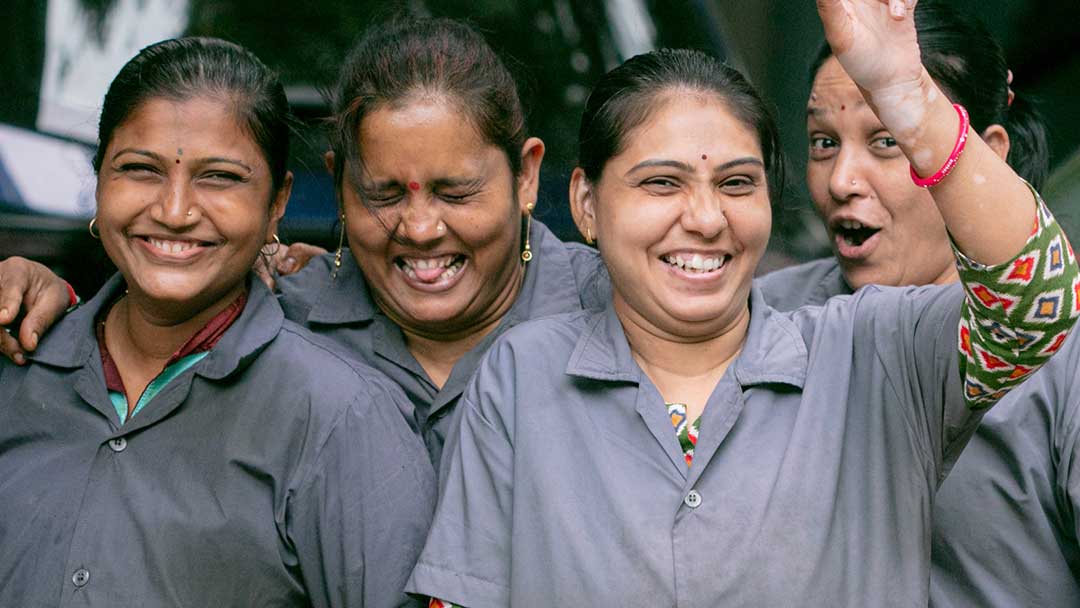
{"x": 684, "y": 368}
{"x": 437, "y": 350}
{"x": 950, "y": 275}
{"x": 140, "y": 330}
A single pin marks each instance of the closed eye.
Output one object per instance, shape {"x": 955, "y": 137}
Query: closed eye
{"x": 739, "y": 185}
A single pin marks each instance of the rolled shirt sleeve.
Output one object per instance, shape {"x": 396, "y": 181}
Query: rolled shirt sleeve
{"x": 466, "y": 559}
{"x": 359, "y": 520}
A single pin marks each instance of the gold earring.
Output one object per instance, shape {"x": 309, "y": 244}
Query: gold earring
{"x": 277, "y": 246}
{"x": 588, "y": 235}
{"x": 92, "y": 233}
{"x": 527, "y": 255}
{"x": 340, "y": 246}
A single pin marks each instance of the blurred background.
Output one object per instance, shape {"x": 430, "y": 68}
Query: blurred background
{"x": 58, "y": 57}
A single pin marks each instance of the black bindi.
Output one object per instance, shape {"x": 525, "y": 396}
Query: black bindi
{"x": 842, "y": 108}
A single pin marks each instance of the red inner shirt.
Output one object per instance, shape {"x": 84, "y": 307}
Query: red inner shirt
{"x": 203, "y": 340}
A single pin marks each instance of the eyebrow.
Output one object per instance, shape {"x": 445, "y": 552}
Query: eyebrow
{"x": 159, "y": 158}
{"x": 681, "y": 166}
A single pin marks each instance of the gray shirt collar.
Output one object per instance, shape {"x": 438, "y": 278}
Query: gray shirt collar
{"x": 774, "y": 352}
{"x": 73, "y": 342}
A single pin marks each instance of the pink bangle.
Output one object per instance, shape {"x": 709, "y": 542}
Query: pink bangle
{"x": 73, "y": 298}
{"x": 954, "y": 157}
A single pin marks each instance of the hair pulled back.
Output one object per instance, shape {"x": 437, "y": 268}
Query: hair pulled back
{"x": 965, "y": 60}
{"x": 184, "y": 68}
{"x": 401, "y": 61}
{"x": 625, "y": 97}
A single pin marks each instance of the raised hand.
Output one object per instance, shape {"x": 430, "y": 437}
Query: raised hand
{"x": 876, "y": 44}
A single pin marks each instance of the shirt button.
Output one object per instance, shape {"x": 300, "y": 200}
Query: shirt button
{"x": 693, "y": 499}
{"x": 118, "y": 445}
{"x": 81, "y": 577}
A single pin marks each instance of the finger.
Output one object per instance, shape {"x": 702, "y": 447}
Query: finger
{"x": 837, "y": 24}
{"x": 43, "y": 309}
{"x": 299, "y": 256}
{"x": 262, "y": 270}
{"x": 12, "y": 289}
{"x": 9, "y": 346}
{"x": 898, "y": 9}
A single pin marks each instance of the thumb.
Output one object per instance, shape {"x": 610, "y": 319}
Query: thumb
{"x": 837, "y": 23}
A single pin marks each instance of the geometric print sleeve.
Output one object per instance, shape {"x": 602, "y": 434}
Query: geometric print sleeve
{"x": 1017, "y": 314}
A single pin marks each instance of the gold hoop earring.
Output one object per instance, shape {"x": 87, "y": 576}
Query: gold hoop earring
{"x": 97, "y": 235}
{"x": 277, "y": 246}
{"x": 527, "y": 255}
{"x": 340, "y": 246}
{"x": 588, "y": 235}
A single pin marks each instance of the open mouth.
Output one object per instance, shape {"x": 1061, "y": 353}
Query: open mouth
{"x": 853, "y": 233}
{"x": 697, "y": 263}
{"x": 431, "y": 271}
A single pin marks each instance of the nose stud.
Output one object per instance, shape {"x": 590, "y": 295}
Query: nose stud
{"x": 189, "y": 211}
{"x": 440, "y": 227}
{"x": 852, "y": 182}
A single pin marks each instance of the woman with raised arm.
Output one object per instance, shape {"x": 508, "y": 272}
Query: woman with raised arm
{"x": 436, "y": 179}
{"x": 1017, "y": 484}
{"x": 689, "y": 445}
{"x": 176, "y": 441}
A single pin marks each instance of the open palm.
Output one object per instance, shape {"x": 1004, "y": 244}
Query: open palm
{"x": 874, "y": 40}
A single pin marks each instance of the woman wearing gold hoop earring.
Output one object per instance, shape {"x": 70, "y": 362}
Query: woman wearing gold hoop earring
{"x": 96, "y": 235}
{"x": 186, "y": 417}
{"x": 438, "y": 251}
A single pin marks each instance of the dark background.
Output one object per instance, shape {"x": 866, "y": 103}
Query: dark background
{"x": 556, "y": 48}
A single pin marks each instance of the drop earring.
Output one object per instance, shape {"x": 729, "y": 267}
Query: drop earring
{"x": 526, "y": 254}
{"x": 340, "y": 246}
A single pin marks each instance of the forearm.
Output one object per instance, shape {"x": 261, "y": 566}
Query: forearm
{"x": 987, "y": 209}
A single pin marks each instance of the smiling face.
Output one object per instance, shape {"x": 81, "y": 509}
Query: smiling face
{"x": 438, "y": 240}
{"x": 681, "y": 217}
{"x": 184, "y": 203}
{"x": 884, "y": 229}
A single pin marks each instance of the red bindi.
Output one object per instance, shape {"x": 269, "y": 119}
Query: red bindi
{"x": 842, "y": 108}
{"x": 414, "y": 186}
{"x": 704, "y": 157}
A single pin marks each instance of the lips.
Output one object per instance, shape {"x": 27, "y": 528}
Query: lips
{"x": 854, "y": 239}
{"x": 173, "y": 249}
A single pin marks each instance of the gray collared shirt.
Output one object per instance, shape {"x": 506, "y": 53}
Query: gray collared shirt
{"x": 812, "y": 482}
{"x": 274, "y": 472}
{"x": 1007, "y": 518}
{"x": 562, "y": 277}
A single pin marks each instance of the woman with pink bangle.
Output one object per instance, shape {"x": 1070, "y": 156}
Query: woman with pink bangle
{"x": 689, "y": 445}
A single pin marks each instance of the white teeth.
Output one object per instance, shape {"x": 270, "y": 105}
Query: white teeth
{"x": 851, "y": 224}
{"x": 428, "y": 263}
{"x": 695, "y": 263}
{"x": 172, "y": 246}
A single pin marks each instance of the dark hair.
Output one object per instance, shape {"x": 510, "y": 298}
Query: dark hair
{"x": 184, "y": 68}
{"x": 626, "y": 96}
{"x": 964, "y": 60}
{"x": 396, "y": 62}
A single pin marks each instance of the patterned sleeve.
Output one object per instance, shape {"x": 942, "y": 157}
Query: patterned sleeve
{"x": 1017, "y": 314}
